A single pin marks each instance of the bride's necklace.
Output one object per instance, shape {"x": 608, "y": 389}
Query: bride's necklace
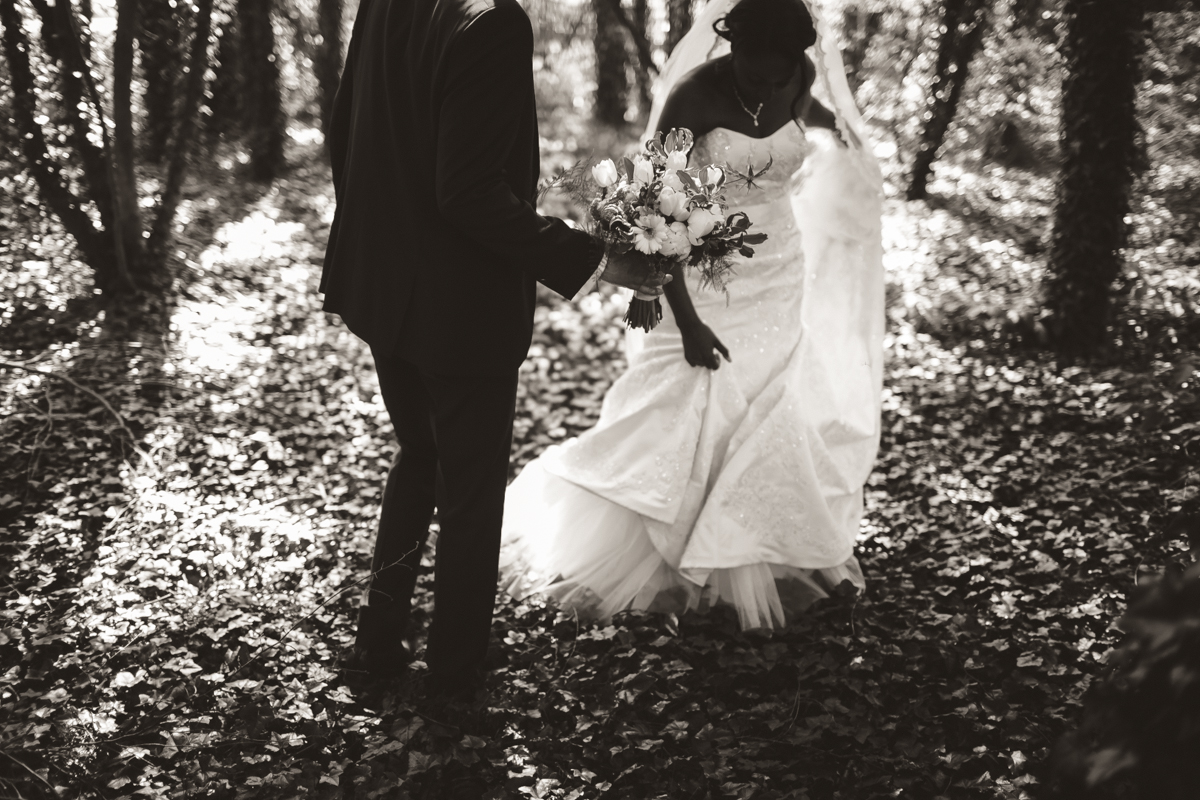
{"x": 753, "y": 114}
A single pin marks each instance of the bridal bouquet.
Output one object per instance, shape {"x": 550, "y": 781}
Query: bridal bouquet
{"x": 656, "y": 204}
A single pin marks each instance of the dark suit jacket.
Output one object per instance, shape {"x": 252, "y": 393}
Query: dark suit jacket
{"x": 435, "y": 245}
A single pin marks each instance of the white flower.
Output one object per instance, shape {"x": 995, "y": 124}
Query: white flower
{"x": 605, "y": 173}
{"x": 677, "y": 160}
{"x": 700, "y": 224}
{"x": 643, "y": 170}
{"x": 711, "y": 175}
{"x": 649, "y": 232}
{"x": 675, "y": 242}
{"x": 673, "y": 203}
{"x": 671, "y": 180}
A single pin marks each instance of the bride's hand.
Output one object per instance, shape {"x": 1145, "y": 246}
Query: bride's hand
{"x": 701, "y": 345}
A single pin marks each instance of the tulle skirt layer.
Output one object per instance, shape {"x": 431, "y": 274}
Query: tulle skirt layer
{"x": 741, "y": 485}
{"x": 596, "y": 557}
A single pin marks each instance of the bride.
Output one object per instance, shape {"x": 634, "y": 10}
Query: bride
{"x": 741, "y": 482}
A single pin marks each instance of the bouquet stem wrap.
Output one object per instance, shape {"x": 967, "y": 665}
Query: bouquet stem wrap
{"x": 645, "y": 312}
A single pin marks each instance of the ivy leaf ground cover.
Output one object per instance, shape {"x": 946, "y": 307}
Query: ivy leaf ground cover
{"x": 170, "y": 625}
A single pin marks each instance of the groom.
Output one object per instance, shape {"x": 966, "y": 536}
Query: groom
{"x": 432, "y": 259}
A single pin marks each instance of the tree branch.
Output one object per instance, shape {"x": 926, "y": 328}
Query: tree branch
{"x": 639, "y": 41}
{"x": 128, "y": 230}
{"x": 27, "y": 769}
{"x": 103, "y": 401}
{"x": 160, "y": 234}
{"x": 964, "y": 22}
{"x": 96, "y": 160}
{"x": 54, "y": 191}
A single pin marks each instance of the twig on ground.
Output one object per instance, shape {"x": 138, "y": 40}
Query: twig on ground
{"x": 49, "y": 414}
{"x": 13, "y": 786}
{"x": 1116, "y": 475}
{"x": 103, "y": 401}
{"x": 34, "y": 360}
{"x": 124, "y": 740}
{"x": 26, "y": 767}
{"x": 309, "y": 615}
{"x": 34, "y": 408}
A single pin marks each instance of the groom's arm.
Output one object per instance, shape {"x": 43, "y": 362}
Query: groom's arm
{"x": 343, "y": 99}
{"x": 481, "y": 116}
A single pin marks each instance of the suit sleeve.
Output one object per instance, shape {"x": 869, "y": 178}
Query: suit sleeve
{"x": 481, "y": 115}
{"x": 343, "y": 101}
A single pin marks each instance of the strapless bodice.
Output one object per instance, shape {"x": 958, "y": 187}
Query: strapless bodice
{"x": 739, "y": 154}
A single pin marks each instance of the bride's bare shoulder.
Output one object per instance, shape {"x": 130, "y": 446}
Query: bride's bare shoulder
{"x": 695, "y": 102}
{"x": 703, "y": 82}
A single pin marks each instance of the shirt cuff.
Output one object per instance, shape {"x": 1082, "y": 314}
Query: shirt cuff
{"x": 593, "y": 281}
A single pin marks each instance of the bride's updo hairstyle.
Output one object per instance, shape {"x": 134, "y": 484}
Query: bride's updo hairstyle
{"x": 784, "y": 26}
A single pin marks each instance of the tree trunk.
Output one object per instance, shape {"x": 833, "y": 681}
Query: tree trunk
{"x": 67, "y": 48}
{"x": 159, "y": 45}
{"x": 328, "y": 64}
{"x": 225, "y": 103}
{"x": 265, "y": 122}
{"x": 1099, "y": 130}
{"x": 184, "y": 135}
{"x": 679, "y": 20}
{"x": 52, "y": 186}
{"x": 860, "y": 28}
{"x": 642, "y": 60}
{"x": 127, "y": 231}
{"x": 963, "y": 24}
{"x": 612, "y": 86}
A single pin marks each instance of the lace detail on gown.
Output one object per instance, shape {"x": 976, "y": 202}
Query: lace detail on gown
{"x": 739, "y": 485}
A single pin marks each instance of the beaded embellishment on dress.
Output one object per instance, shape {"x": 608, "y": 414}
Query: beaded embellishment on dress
{"x": 742, "y": 155}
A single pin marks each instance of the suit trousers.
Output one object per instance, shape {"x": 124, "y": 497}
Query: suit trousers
{"x": 455, "y": 435}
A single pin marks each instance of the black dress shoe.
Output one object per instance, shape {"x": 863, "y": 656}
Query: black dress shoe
{"x": 381, "y": 648}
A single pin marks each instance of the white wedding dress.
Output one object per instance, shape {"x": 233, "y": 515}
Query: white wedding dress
{"x": 741, "y": 485}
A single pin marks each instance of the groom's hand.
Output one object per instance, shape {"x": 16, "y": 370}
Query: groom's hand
{"x": 634, "y": 271}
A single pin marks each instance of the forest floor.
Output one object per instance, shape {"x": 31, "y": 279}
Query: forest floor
{"x": 171, "y": 617}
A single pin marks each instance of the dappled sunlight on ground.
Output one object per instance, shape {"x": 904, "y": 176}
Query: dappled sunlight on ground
{"x": 193, "y": 607}
{"x": 186, "y": 524}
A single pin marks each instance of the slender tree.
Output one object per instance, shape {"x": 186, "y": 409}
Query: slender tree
{"x": 1102, "y": 47}
{"x": 636, "y": 25}
{"x": 265, "y": 123}
{"x": 126, "y": 210}
{"x": 128, "y": 262}
{"x": 67, "y": 47}
{"x": 162, "y": 63}
{"x": 962, "y": 28}
{"x": 640, "y": 41}
{"x": 612, "y": 83}
{"x": 183, "y": 131}
{"x": 328, "y": 64}
{"x": 225, "y": 102}
{"x": 679, "y": 20}
{"x": 860, "y": 27}
{"x": 54, "y": 184}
